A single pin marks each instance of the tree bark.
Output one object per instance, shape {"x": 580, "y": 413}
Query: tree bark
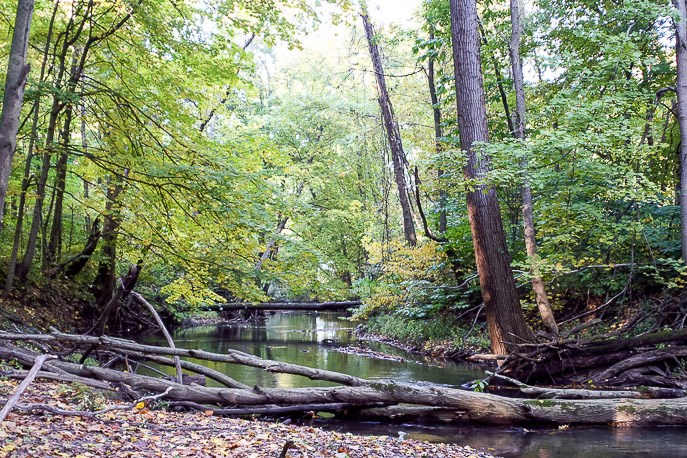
{"x": 74, "y": 266}
{"x": 519, "y": 131}
{"x": 681, "y": 88}
{"x": 15, "y": 81}
{"x": 54, "y": 248}
{"x": 393, "y": 133}
{"x": 505, "y": 319}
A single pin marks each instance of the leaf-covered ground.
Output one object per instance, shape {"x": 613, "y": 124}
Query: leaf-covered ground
{"x": 142, "y": 432}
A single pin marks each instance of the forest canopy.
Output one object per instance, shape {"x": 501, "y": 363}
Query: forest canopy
{"x": 240, "y": 151}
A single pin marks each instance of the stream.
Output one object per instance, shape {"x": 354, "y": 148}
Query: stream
{"x": 325, "y": 341}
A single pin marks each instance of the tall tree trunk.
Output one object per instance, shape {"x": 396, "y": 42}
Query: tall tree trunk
{"x": 392, "y": 131}
{"x": 68, "y": 83}
{"x": 27, "y": 166}
{"x": 681, "y": 86}
{"x": 24, "y": 267}
{"x": 519, "y": 130}
{"x": 505, "y": 320}
{"x": 17, "y": 72}
{"x": 438, "y": 134}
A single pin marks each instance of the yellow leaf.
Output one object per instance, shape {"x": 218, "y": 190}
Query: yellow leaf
{"x": 140, "y": 405}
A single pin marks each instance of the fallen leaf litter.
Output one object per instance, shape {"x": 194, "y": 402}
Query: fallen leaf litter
{"x": 141, "y": 432}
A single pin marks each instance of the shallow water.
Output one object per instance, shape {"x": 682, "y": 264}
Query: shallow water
{"x": 311, "y": 339}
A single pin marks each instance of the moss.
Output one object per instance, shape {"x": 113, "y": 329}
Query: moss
{"x": 542, "y": 403}
{"x": 627, "y": 409}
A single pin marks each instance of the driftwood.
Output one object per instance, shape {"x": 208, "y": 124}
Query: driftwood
{"x": 232, "y": 356}
{"x": 362, "y": 397}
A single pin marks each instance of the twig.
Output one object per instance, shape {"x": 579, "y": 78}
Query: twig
{"x": 82, "y": 413}
{"x": 12, "y": 400}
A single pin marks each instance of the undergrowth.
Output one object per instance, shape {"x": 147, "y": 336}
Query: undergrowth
{"x": 429, "y": 333}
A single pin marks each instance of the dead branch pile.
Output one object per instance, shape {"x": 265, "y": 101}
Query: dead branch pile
{"x": 352, "y": 396}
{"x": 650, "y": 360}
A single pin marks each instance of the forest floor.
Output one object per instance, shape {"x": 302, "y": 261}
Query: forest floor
{"x": 150, "y": 432}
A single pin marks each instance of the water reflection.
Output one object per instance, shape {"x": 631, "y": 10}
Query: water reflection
{"x": 309, "y": 339}
{"x": 665, "y": 442}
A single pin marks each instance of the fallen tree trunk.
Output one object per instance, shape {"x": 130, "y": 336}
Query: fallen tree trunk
{"x": 361, "y": 395}
{"x": 283, "y": 306}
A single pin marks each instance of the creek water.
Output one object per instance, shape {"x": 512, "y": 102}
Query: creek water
{"x": 320, "y": 340}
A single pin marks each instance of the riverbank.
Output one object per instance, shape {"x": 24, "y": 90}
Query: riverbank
{"x": 435, "y": 338}
{"x": 151, "y": 432}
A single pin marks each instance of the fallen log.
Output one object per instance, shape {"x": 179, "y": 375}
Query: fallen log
{"x": 577, "y": 393}
{"x": 193, "y": 367}
{"x": 283, "y": 306}
{"x": 271, "y": 409}
{"x": 602, "y": 361}
{"x": 461, "y": 405}
{"x": 163, "y": 328}
{"x": 232, "y": 356}
{"x": 21, "y": 375}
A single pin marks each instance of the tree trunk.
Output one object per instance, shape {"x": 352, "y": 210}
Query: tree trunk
{"x": 681, "y": 87}
{"x": 74, "y": 266}
{"x": 519, "y": 131}
{"x": 392, "y": 131}
{"x": 104, "y": 283}
{"x": 17, "y": 72}
{"x": 505, "y": 320}
{"x": 27, "y": 167}
{"x": 54, "y": 247}
{"x": 438, "y": 134}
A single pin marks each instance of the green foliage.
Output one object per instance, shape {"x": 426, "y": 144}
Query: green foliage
{"x": 448, "y": 332}
{"x": 247, "y": 172}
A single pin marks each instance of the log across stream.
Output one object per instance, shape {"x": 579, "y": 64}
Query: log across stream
{"x": 298, "y": 338}
{"x": 391, "y": 397}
